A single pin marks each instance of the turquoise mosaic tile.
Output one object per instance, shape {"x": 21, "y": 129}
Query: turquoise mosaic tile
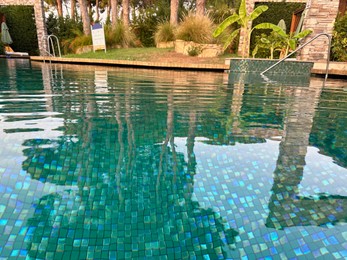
{"x": 161, "y": 166}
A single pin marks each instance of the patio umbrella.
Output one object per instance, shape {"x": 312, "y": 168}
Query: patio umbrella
{"x": 5, "y": 35}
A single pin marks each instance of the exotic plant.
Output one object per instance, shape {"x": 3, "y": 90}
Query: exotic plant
{"x": 267, "y": 45}
{"x": 120, "y": 36}
{"x": 196, "y": 28}
{"x": 286, "y": 42}
{"x": 243, "y": 20}
{"x": 79, "y": 40}
{"x": 165, "y": 33}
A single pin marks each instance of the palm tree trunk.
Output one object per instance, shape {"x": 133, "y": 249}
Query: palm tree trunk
{"x": 200, "y": 7}
{"x": 60, "y": 8}
{"x": 174, "y": 12}
{"x": 125, "y": 5}
{"x": 114, "y": 12}
{"x": 72, "y": 9}
{"x": 97, "y": 10}
{"x": 85, "y": 17}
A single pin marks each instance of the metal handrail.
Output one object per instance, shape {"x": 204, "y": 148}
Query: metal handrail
{"x": 302, "y": 46}
{"x": 50, "y": 45}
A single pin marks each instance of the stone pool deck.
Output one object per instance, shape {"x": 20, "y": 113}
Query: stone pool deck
{"x": 335, "y": 68}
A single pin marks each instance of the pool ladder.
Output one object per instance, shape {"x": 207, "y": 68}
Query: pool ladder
{"x": 51, "y": 41}
{"x": 302, "y": 46}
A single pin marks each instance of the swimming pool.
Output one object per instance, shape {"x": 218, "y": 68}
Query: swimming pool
{"x": 112, "y": 163}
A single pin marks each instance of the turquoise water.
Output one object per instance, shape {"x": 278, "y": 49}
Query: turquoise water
{"x": 111, "y": 163}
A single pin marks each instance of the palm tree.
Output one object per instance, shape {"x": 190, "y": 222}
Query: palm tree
{"x": 85, "y": 17}
{"x": 174, "y": 12}
{"x": 244, "y": 21}
{"x": 125, "y": 5}
{"x": 72, "y": 9}
{"x": 114, "y": 11}
{"x": 200, "y": 7}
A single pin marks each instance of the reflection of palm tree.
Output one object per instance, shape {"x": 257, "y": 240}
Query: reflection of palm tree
{"x": 148, "y": 220}
{"x": 168, "y": 138}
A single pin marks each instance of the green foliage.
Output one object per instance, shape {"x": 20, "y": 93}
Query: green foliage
{"x": 165, "y": 32}
{"x": 242, "y": 19}
{"x": 278, "y": 39}
{"x": 275, "y": 13}
{"x": 73, "y": 43}
{"x": 2, "y": 50}
{"x": 146, "y": 20}
{"x": 21, "y": 23}
{"x": 339, "y": 43}
{"x": 267, "y": 45}
{"x": 120, "y": 36}
{"x": 63, "y": 27}
{"x": 194, "y": 50}
{"x": 195, "y": 28}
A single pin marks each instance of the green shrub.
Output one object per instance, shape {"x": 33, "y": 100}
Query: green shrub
{"x": 194, "y": 50}
{"x": 195, "y": 28}
{"x": 119, "y": 36}
{"x": 2, "y": 50}
{"x": 146, "y": 20}
{"x": 165, "y": 33}
{"x": 339, "y": 43}
{"x": 73, "y": 43}
{"x": 21, "y": 23}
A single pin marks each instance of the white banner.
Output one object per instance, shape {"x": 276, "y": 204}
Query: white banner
{"x": 98, "y": 37}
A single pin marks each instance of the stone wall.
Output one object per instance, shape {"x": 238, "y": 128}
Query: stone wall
{"x": 39, "y": 19}
{"x": 320, "y": 17}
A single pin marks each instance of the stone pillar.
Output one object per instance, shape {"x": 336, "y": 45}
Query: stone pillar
{"x": 39, "y": 19}
{"x": 40, "y": 26}
{"x": 320, "y": 18}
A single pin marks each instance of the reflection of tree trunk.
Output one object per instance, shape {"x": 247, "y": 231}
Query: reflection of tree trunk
{"x": 121, "y": 146}
{"x": 131, "y": 135}
{"x": 168, "y": 137}
{"x": 236, "y": 107}
{"x": 191, "y": 141}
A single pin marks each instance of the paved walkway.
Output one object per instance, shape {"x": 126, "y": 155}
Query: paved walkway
{"x": 141, "y": 64}
{"x": 335, "y": 68}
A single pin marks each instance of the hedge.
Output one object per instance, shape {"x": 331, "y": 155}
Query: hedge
{"x": 21, "y": 23}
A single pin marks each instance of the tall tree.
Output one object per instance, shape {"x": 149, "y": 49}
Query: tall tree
{"x": 200, "y": 7}
{"x": 174, "y": 12}
{"x": 125, "y": 6}
{"x": 60, "y": 8}
{"x": 72, "y": 9}
{"x": 85, "y": 17}
{"x": 114, "y": 12}
{"x": 97, "y": 18}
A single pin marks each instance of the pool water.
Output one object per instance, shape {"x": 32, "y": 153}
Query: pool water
{"x": 113, "y": 163}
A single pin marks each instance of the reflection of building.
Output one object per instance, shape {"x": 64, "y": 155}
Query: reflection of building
{"x": 287, "y": 207}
